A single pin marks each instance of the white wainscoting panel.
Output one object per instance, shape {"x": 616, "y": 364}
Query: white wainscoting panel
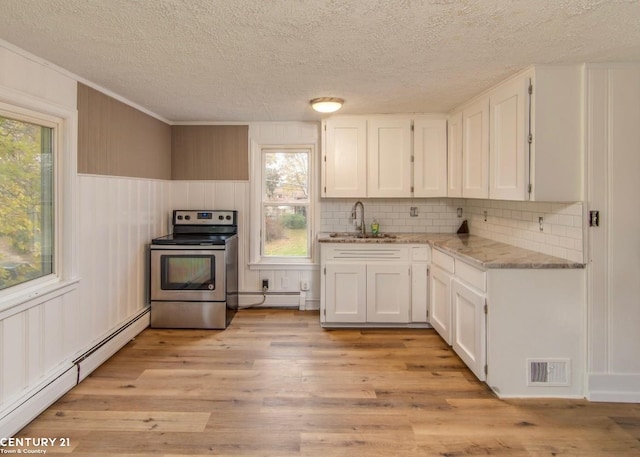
{"x": 119, "y": 217}
{"x": 36, "y": 346}
{"x": 227, "y": 195}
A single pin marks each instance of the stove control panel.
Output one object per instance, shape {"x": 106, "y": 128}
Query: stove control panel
{"x": 204, "y": 217}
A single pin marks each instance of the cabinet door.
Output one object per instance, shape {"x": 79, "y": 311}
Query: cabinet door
{"x": 419, "y": 292}
{"x": 454, "y": 156}
{"x": 440, "y": 302}
{"x": 389, "y": 158}
{"x": 345, "y": 293}
{"x": 345, "y": 158}
{"x": 388, "y": 289}
{"x": 508, "y": 161}
{"x": 430, "y": 158}
{"x": 475, "y": 150}
{"x": 469, "y": 327}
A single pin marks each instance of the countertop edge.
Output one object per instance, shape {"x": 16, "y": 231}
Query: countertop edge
{"x": 441, "y": 242}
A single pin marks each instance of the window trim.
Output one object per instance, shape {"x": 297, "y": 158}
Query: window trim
{"x": 24, "y": 106}
{"x": 257, "y": 260}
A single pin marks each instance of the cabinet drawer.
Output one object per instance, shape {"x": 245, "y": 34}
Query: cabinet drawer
{"x": 443, "y": 260}
{"x": 473, "y": 276}
{"x": 421, "y": 254}
{"x": 365, "y": 251}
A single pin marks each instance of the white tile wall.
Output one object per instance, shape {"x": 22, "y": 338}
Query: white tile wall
{"x": 514, "y": 223}
{"x": 435, "y": 215}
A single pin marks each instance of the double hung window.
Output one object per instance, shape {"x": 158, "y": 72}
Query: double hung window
{"x": 285, "y": 205}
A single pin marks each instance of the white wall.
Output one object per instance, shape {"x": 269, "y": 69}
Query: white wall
{"x": 613, "y": 136}
{"x": 38, "y": 336}
{"x": 107, "y": 222}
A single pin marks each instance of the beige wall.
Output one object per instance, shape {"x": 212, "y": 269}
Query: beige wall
{"x": 118, "y": 140}
{"x": 210, "y": 152}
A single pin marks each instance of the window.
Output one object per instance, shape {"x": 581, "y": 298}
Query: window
{"x": 27, "y": 213}
{"x": 285, "y": 212}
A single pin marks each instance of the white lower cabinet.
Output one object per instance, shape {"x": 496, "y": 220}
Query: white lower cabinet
{"x": 345, "y": 292}
{"x": 440, "y": 302}
{"x": 420, "y": 258}
{"x": 457, "y": 309}
{"x": 365, "y": 284}
{"x": 388, "y": 293}
{"x": 469, "y": 326}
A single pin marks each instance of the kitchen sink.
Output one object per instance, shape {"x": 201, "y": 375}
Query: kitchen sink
{"x": 360, "y": 235}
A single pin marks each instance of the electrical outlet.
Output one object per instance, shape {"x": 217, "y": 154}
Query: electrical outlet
{"x": 304, "y": 286}
{"x": 265, "y": 284}
{"x": 413, "y": 211}
{"x": 459, "y": 212}
{"x": 541, "y": 223}
{"x": 484, "y": 213}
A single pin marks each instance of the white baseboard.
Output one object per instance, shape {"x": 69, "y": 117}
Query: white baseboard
{"x": 616, "y": 388}
{"x": 37, "y": 402}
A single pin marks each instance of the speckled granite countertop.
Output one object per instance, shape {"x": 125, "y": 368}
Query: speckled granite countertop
{"x": 475, "y": 250}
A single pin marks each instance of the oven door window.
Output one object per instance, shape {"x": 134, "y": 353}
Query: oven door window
{"x": 188, "y": 272}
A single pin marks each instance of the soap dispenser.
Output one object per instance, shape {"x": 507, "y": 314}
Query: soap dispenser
{"x": 375, "y": 227}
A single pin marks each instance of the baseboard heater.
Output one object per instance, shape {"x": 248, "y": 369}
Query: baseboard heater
{"x": 269, "y": 300}
{"x": 25, "y": 409}
{"x": 105, "y": 348}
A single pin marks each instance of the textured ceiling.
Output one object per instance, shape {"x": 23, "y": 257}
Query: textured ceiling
{"x": 249, "y": 60}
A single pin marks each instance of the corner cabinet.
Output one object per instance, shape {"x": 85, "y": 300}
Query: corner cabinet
{"x": 454, "y": 156}
{"x": 475, "y": 150}
{"x": 522, "y": 140}
{"x": 384, "y": 156}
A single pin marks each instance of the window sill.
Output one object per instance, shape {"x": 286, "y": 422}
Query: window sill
{"x": 284, "y": 265}
{"x": 27, "y": 298}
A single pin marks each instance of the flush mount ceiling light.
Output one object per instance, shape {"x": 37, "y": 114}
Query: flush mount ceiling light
{"x": 326, "y": 104}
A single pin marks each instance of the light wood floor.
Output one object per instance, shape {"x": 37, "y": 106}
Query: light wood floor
{"x": 275, "y": 384}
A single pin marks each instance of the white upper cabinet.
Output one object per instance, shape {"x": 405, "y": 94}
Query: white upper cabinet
{"x": 556, "y": 133}
{"x": 385, "y": 156}
{"x": 522, "y": 140}
{"x": 344, "y": 163}
{"x": 430, "y": 158}
{"x": 508, "y": 164}
{"x": 475, "y": 150}
{"x": 389, "y": 157}
{"x": 454, "y": 156}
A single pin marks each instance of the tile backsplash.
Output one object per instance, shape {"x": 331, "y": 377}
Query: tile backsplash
{"x": 436, "y": 215}
{"x": 515, "y": 223}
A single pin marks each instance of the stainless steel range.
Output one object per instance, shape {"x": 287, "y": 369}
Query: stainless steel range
{"x": 194, "y": 271}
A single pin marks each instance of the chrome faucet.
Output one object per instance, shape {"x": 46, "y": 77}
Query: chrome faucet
{"x": 354, "y": 210}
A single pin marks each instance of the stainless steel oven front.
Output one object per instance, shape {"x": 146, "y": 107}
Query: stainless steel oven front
{"x": 187, "y": 273}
